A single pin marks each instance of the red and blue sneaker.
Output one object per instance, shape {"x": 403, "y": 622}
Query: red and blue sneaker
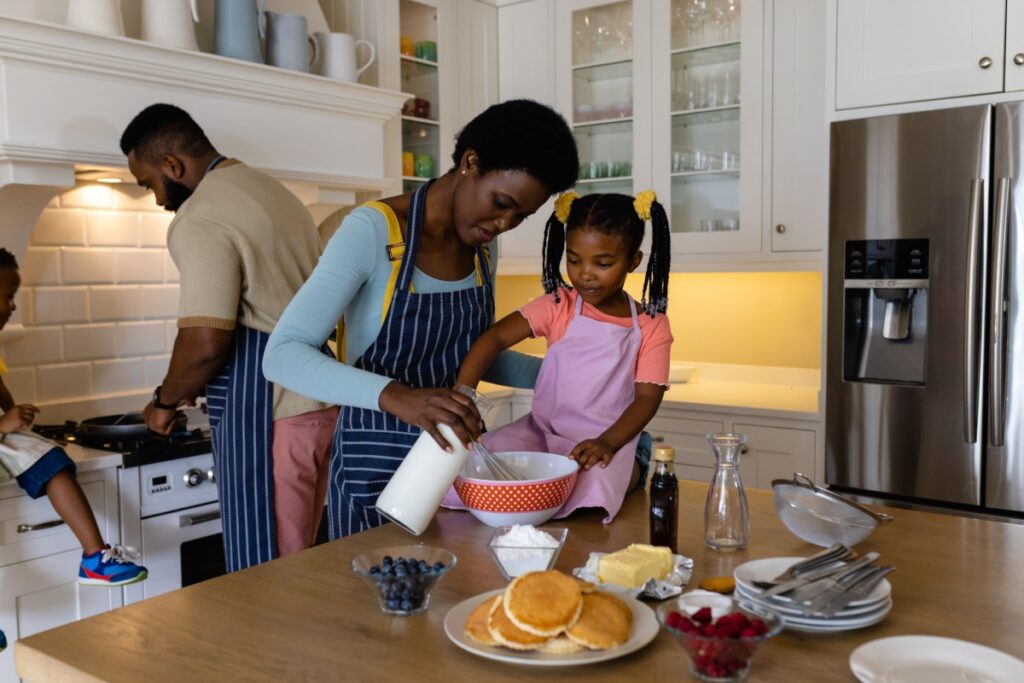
{"x": 111, "y": 567}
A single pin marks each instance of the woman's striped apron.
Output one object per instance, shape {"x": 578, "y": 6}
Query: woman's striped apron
{"x": 422, "y": 342}
{"x": 240, "y": 401}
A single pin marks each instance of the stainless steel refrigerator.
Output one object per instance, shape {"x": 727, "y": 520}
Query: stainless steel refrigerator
{"x": 925, "y": 334}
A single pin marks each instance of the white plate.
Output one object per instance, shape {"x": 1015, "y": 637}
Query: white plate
{"x": 830, "y": 626}
{"x": 767, "y": 569}
{"x": 787, "y": 608}
{"x": 930, "y": 659}
{"x": 645, "y": 628}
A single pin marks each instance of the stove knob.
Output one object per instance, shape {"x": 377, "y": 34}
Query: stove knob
{"x": 194, "y": 477}
{"x": 211, "y": 475}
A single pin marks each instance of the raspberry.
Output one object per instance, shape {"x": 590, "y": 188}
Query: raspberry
{"x": 703, "y": 615}
{"x": 717, "y": 670}
{"x": 674, "y": 619}
{"x": 686, "y": 626}
{"x": 748, "y": 632}
{"x": 759, "y": 626}
{"x": 707, "y": 630}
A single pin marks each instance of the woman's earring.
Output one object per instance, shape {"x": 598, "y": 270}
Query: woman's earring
{"x": 463, "y": 171}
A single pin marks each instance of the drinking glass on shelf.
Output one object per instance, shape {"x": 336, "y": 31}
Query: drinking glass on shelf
{"x": 582, "y": 40}
{"x": 712, "y": 90}
{"x": 694, "y": 13}
{"x": 730, "y": 161}
{"x": 623, "y": 24}
{"x": 732, "y": 9}
{"x": 729, "y": 224}
{"x": 725, "y": 86}
{"x": 707, "y": 224}
{"x": 699, "y": 160}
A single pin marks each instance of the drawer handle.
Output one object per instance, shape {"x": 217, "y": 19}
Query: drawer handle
{"x": 985, "y": 62}
{"x": 25, "y": 528}
{"x": 194, "y": 520}
{"x": 743, "y": 450}
{"x": 658, "y": 439}
{"x": 1018, "y": 59}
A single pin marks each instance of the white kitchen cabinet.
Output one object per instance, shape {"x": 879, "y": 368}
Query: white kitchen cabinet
{"x": 774, "y": 453}
{"x": 797, "y": 151}
{"x": 39, "y": 567}
{"x": 686, "y": 435}
{"x": 892, "y": 51}
{"x": 501, "y": 413}
{"x": 1014, "y": 68}
{"x": 477, "y": 28}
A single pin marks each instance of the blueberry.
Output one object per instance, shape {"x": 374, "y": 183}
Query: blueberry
{"x": 406, "y": 594}
{"x": 394, "y": 604}
{"x": 410, "y": 583}
{"x": 424, "y": 567}
{"x": 387, "y": 560}
{"x": 401, "y": 571}
{"x": 375, "y": 569}
{"x": 406, "y": 605}
{"x": 438, "y": 566}
{"x": 413, "y": 569}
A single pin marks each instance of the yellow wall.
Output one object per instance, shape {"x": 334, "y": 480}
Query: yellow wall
{"x": 734, "y": 318}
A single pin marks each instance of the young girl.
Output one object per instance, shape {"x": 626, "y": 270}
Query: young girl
{"x": 607, "y": 364}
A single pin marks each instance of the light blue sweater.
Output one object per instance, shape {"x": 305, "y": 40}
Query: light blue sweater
{"x": 350, "y": 279}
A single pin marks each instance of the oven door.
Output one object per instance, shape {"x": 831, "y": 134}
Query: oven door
{"x": 181, "y": 548}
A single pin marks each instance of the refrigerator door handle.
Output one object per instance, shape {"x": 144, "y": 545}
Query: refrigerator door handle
{"x": 997, "y": 411}
{"x": 971, "y": 314}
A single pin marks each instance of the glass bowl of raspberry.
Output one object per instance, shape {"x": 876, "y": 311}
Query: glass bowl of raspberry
{"x": 720, "y": 649}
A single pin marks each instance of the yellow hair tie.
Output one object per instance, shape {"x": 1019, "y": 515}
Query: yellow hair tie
{"x": 643, "y": 203}
{"x": 563, "y": 205}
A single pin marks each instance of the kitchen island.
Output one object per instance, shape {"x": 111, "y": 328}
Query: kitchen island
{"x": 309, "y": 617}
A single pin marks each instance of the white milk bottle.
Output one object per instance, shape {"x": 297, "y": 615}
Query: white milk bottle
{"x": 427, "y": 472}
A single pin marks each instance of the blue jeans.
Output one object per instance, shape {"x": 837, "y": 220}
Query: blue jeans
{"x": 36, "y": 477}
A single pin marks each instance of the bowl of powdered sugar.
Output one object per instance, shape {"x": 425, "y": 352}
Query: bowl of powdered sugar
{"x": 524, "y": 548}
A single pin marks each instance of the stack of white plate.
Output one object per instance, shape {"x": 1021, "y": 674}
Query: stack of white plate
{"x": 858, "y": 614}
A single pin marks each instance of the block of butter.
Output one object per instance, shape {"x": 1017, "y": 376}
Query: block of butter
{"x": 635, "y": 565}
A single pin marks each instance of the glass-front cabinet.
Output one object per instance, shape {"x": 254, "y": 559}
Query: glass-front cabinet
{"x": 422, "y": 75}
{"x": 605, "y": 49}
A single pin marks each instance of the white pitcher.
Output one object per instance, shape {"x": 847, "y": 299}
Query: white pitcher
{"x": 338, "y": 56}
{"x": 170, "y": 23}
{"x": 98, "y": 16}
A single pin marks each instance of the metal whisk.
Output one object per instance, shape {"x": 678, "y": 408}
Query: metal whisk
{"x": 500, "y": 470}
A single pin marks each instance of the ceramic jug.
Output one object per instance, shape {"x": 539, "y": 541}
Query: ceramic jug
{"x": 238, "y": 27}
{"x": 288, "y": 42}
{"x": 98, "y": 16}
{"x": 338, "y": 56}
{"x": 170, "y": 23}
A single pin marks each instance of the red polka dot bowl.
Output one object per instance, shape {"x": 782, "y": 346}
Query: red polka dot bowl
{"x": 549, "y": 482}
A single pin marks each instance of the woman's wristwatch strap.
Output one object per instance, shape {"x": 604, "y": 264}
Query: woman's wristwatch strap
{"x": 157, "y": 403}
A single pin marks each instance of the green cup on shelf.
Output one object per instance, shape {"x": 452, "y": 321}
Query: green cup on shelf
{"x": 427, "y": 49}
{"x": 424, "y": 166}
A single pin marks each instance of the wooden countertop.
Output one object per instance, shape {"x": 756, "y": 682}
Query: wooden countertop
{"x": 308, "y": 617}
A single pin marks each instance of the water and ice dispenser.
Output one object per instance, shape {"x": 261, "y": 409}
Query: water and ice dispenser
{"x": 886, "y": 311}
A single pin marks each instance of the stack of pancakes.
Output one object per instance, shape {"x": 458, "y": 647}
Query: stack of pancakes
{"x": 551, "y": 612}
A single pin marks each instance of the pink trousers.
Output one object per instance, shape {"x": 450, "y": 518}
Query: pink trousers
{"x": 302, "y": 458}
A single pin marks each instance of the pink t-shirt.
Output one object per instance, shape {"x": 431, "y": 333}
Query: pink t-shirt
{"x": 550, "y": 320}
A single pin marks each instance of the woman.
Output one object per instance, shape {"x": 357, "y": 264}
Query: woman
{"x": 413, "y": 277}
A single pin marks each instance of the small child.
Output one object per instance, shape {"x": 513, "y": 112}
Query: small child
{"x": 41, "y": 467}
{"x": 606, "y": 369}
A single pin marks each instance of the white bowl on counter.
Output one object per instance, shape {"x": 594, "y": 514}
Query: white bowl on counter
{"x": 680, "y": 373}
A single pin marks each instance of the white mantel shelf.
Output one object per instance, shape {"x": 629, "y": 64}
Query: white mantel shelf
{"x": 67, "y": 95}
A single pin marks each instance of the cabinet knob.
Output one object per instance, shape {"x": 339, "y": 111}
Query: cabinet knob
{"x": 985, "y": 62}
{"x": 658, "y": 439}
{"x": 1018, "y": 59}
{"x": 743, "y": 450}
{"x": 780, "y": 228}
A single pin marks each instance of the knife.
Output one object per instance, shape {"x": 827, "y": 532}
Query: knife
{"x": 817, "y": 575}
{"x": 861, "y": 589}
{"x": 836, "y": 586}
{"x": 827, "y": 556}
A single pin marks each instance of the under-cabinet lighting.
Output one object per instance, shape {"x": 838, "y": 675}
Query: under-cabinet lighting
{"x": 110, "y": 180}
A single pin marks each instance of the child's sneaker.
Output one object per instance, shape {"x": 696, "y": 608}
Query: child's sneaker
{"x": 111, "y": 567}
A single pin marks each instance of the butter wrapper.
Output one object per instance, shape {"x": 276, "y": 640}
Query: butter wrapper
{"x": 673, "y": 584}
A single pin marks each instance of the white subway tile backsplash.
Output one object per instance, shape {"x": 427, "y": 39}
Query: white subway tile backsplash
{"x": 112, "y": 228}
{"x": 141, "y": 339}
{"x": 156, "y": 370}
{"x": 39, "y": 345}
{"x": 131, "y": 197}
{"x": 88, "y": 196}
{"x": 84, "y": 342}
{"x": 153, "y": 228}
{"x": 21, "y": 382}
{"x": 172, "y": 334}
{"x": 60, "y": 305}
{"x": 41, "y": 266}
{"x": 110, "y": 376}
{"x": 115, "y": 303}
{"x": 139, "y": 265}
{"x": 87, "y": 265}
{"x": 170, "y": 270}
{"x": 26, "y": 305}
{"x": 60, "y": 227}
{"x": 160, "y": 301}
{"x": 68, "y": 380}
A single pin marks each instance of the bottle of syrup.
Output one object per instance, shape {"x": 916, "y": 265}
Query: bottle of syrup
{"x": 664, "y": 497}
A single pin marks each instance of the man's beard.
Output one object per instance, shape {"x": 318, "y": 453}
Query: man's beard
{"x": 175, "y": 192}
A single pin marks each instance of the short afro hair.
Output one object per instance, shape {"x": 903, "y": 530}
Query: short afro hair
{"x": 522, "y": 135}
{"x": 161, "y": 129}
{"x": 7, "y": 260}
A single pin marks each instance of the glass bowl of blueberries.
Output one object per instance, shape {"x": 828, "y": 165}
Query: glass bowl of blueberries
{"x": 404, "y": 575}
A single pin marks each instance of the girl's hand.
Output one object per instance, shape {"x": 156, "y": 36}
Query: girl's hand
{"x": 591, "y": 452}
{"x": 19, "y": 417}
{"x": 425, "y": 408}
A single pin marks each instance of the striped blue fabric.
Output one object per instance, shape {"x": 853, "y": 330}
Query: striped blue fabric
{"x": 240, "y": 403}
{"x": 422, "y": 343}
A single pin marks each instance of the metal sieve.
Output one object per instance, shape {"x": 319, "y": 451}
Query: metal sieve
{"x": 822, "y": 517}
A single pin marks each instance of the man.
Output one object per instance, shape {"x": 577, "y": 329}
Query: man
{"x": 243, "y": 245}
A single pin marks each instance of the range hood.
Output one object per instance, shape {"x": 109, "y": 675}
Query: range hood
{"x": 66, "y": 96}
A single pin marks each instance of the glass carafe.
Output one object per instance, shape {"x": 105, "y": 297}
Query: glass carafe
{"x": 726, "y": 518}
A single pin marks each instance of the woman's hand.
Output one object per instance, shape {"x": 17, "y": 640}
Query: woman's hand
{"x": 592, "y": 452}
{"x": 425, "y": 408}
{"x": 19, "y": 417}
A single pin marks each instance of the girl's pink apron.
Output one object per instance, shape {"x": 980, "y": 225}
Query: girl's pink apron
{"x": 585, "y": 384}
